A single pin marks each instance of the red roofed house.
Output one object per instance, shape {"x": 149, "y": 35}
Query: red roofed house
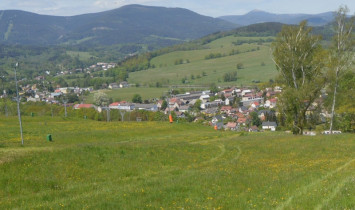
{"x": 159, "y": 104}
{"x": 255, "y": 105}
{"x": 226, "y": 109}
{"x": 175, "y": 103}
{"x": 271, "y": 103}
{"x": 242, "y": 121}
{"x": 116, "y": 105}
{"x": 231, "y": 126}
{"x": 83, "y": 106}
{"x": 240, "y": 115}
{"x": 228, "y": 91}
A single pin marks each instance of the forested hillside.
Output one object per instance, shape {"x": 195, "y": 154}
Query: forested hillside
{"x": 129, "y": 24}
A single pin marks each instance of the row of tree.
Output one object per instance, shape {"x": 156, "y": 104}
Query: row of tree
{"x": 306, "y": 68}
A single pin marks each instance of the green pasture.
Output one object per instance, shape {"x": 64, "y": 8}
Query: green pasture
{"x": 126, "y": 94}
{"x": 255, "y": 57}
{"x": 157, "y": 165}
{"x": 80, "y": 55}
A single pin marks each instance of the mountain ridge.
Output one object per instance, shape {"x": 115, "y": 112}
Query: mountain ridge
{"x": 260, "y": 16}
{"x": 128, "y": 24}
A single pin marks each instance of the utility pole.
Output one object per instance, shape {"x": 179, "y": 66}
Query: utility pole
{"x": 108, "y": 114}
{"x": 65, "y": 107}
{"x": 52, "y": 108}
{"x": 122, "y": 115}
{"x": 4, "y": 94}
{"x": 18, "y": 105}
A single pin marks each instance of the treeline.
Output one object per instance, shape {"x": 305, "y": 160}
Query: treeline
{"x": 230, "y": 77}
{"x": 181, "y": 61}
{"x": 42, "y": 109}
{"x": 142, "y": 61}
{"x": 232, "y": 52}
{"x": 136, "y": 63}
{"x": 250, "y": 41}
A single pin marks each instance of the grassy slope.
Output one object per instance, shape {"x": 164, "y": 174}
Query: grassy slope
{"x": 215, "y": 68}
{"x": 81, "y": 55}
{"x": 126, "y": 94}
{"x": 140, "y": 165}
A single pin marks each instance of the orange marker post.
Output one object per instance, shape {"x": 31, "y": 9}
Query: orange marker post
{"x": 171, "y": 119}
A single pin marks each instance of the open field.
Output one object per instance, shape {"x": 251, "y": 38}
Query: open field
{"x": 255, "y": 57}
{"x": 80, "y": 55}
{"x": 151, "y": 165}
{"x": 126, "y": 94}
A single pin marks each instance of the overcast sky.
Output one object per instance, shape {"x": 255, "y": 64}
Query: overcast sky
{"x": 213, "y": 8}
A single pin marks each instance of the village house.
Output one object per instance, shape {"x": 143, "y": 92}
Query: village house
{"x": 32, "y": 99}
{"x": 226, "y": 109}
{"x": 219, "y": 125}
{"x": 231, "y": 126}
{"x": 160, "y": 103}
{"x": 248, "y": 102}
{"x": 253, "y": 128}
{"x": 123, "y": 105}
{"x": 245, "y": 92}
{"x": 255, "y": 105}
{"x": 228, "y": 91}
{"x": 147, "y": 107}
{"x": 271, "y": 103}
{"x": 278, "y": 89}
{"x": 205, "y": 98}
{"x": 271, "y": 94}
{"x": 212, "y": 104}
{"x": 262, "y": 114}
{"x": 210, "y": 112}
{"x": 39, "y": 78}
{"x": 175, "y": 103}
{"x": 229, "y": 100}
{"x": 243, "y": 109}
{"x": 189, "y": 96}
{"x": 184, "y": 108}
{"x": 83, "y": 106}
{"x": 242, "y": 121}
{"x": 113, "y": 86}
{"x": 269, "y": 126}
{"x": 238, "y": 92}
{"x": 216, "y": 119}
{"x": 180, "y": 114}
{"x": 124, "y": 84}
{"x": 66, "y": 90}
{"x": 115, "y": 105}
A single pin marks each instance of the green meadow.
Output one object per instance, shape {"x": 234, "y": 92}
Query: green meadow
{"x": 126, "y": 94}
{"x": 255, "y": 57}
{"x": 157, "y": 165}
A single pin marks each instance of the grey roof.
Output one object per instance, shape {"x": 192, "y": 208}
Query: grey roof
{"x": 145, "y": 106}
{"x": 269, "y": 124}
{"x": 218, "y": 117}
{"x": 264, "y": 111}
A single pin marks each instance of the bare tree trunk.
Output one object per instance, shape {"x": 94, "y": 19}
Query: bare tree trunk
{"x": 333, "y": 105}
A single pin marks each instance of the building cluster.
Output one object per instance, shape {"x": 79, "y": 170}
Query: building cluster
{"x": 228, "y": 109}
{"x": 32, "y": 94}
{"x": 96, "y": 67}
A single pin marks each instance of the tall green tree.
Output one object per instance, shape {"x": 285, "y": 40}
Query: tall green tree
{"x": 101, "y": 99}
{"x": 342, "y": 53}
{"x": 164, "y": 105}
{"x": 298, "y": 56}
{"x": 137, "y": 98}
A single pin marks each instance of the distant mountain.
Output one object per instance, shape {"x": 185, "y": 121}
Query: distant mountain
{"x": 128, "y": 24}
{"x": 257, "y": 16}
